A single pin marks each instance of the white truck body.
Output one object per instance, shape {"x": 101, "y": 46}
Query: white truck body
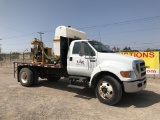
{"x": 86, "y": 63}
{"x": 106, "y": 62}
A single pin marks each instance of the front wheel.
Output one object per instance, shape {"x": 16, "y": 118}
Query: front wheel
{"x": 109, "y": 90}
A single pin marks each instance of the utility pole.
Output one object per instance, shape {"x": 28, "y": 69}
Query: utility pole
{"x": 40, "y": 35}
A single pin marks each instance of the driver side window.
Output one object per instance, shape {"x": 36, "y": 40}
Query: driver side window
{"x": 82, "y": 48}
{"x": 76, "y": 48}
{"x": 87, "y": 50}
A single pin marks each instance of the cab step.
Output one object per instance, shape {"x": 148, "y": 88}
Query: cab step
{"x": 78, "y": 81}
{"x": 76, "y": 86}
{"x": 77, "y": 77}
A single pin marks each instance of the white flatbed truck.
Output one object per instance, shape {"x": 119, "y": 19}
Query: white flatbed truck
{"x": 86, "y": 63}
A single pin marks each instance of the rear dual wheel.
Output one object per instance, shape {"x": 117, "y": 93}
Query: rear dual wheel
{"x": 28, "y": 77}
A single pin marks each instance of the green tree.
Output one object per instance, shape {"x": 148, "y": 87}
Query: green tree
{"x": 126, "y": 48}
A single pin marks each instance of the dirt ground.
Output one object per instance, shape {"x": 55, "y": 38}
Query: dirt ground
{"x": 57, "y": 101}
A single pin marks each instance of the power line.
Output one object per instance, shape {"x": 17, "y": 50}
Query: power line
{"x": 19, "y": 35}
{"x": 25, "y": 43}
{"x": 52, "y": 31}
{"x": 122, "y": 23}
{"x": 27, "y": 34}
{"x": 134, "y": 43}
{"x": 131, "y": 31}
{"x": 136, "y": 30}
{"x": 15, "y": 29}
{"x": 98, "y": 26}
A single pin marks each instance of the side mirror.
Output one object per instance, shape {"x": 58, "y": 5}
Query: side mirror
{"x": 92, "y": 53}
{"x": 81, "y": 54}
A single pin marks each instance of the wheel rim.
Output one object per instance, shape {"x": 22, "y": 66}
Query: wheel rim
{"x": 105, "y": 90}
{"x": 24, "y": 77}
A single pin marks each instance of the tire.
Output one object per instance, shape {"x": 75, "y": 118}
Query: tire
{"x": 26, "y": 77}
{"x": 109, "y": 90}
{"x": 53, "y": 79}
{"x": 35, "y": 75}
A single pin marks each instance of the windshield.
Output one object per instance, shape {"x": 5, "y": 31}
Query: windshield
{"x": 100, "y": 47}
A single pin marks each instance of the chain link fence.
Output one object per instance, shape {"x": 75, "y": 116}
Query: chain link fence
{"x": 7, "y": 59}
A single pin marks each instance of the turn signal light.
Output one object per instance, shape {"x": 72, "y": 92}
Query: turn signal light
{"x": 125, "y": 74}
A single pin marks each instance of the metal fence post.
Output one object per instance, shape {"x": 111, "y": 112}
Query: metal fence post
{"x": 23, "y": 56}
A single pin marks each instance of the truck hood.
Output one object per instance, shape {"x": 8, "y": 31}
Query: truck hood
{"x": 116, "y": 57}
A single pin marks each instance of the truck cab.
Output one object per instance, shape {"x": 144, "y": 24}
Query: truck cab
{"x": 89, "y": 58}
{"x": 106, "y": 70}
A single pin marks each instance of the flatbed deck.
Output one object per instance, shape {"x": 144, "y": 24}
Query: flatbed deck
{"x": 49, "y": 67}
{"x": 38, "y": 65}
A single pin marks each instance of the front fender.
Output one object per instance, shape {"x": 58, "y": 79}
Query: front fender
{"x": 114, "y": 68}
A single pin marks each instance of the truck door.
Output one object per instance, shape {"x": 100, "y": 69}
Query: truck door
{"x": 82, "y": 60}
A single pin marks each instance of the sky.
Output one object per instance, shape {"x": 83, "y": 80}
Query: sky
{"x": 117, "y": 23}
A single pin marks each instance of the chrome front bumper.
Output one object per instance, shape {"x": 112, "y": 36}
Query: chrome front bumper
{"x": 134, "y": 86}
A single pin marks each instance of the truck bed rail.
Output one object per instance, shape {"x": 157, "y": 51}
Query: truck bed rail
{"x": 17, "y": 64}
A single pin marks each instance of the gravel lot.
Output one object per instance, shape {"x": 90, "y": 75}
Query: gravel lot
{"x": 58, "y": 101}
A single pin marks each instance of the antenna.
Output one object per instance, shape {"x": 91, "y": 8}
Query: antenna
{"x": 100, "y": 36}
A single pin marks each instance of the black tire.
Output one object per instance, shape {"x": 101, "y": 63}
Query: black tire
{"x": 35, "y": 75}
{"x": 26, "y": 77}
{"x": 53, "y": 79}
{"x": 109, "y": 90}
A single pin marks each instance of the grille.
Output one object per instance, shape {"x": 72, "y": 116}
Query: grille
{"x": 141, "y": 69}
